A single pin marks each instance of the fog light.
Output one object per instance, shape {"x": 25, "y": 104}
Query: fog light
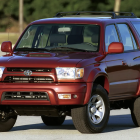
{"x": 74, "y": 96}
{"x": 64, "y": 96}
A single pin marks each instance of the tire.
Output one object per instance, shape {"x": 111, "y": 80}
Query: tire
{"x": 7, "y": 124}
{"x": 81, "y": 116}
{"x": 135, "y": 112}
{"x": 53, "y": 121}
{"x": 134, "y": 119}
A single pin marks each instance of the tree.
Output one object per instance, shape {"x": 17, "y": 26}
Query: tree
{"x": 131, "y": 6}
{"x": 36, "y": 9}
{"x": 21, "y": 16}
{"x": 8, "y": 9}
{"x": 117, "y": 6}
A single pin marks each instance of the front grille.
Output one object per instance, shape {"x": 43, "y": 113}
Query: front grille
{"x": 25, "y": 96}
{"x": 32, "y": 69}
{"x": 28, "y": 79}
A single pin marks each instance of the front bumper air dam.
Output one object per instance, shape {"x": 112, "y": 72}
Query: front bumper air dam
{"x": 53, "y": 89}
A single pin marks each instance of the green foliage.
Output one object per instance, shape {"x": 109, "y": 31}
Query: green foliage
{"x": 130, "y": 6}
{"x": 37, "y": 9}
{"x": 8, "y": 8}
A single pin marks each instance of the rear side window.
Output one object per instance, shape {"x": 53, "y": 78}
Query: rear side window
{"x": 137, "y": 26}
{"x": 127, "y": 37}
{"x": 110, "y": 35}
{"x": 134, "y": 41}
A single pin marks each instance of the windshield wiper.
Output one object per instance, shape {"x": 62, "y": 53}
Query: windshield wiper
{"x": 68, "y": 48}
{"x": 87, "y": 47}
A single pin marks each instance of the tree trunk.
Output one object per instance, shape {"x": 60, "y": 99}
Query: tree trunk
{"x": 20, "y": 16}
{"x": 117, "y": 6}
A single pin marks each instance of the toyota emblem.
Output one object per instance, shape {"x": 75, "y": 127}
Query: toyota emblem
{"x": 27, "y": 72}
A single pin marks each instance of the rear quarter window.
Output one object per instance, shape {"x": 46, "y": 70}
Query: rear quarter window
{"x": 137, "y": 26}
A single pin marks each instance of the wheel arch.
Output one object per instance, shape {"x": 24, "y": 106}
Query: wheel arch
{"x": 100, "y": 78}
{"x": 103, "y": 81}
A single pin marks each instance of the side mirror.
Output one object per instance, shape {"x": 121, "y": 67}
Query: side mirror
{"x": 6, "y": 46}
{"x": 115, "y": 47}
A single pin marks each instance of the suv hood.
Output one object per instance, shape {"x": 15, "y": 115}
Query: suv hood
{"x": 52, "y": 60}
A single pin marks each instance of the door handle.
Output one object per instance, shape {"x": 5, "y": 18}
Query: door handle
{"x": 124, "y": 63}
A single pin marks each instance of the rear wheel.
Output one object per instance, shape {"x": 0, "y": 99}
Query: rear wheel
{"x": 135, "y": 112}
{"x": 53, "y": 121}
{"x": 7, "y": 124}
{"x": 93, "y": 117}
{"x": 134, "y": 119}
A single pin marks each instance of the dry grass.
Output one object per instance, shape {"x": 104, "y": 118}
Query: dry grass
{"x": 13, "y": 37}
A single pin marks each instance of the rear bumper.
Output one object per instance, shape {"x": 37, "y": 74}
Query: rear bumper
{"x": 53, "y": 89}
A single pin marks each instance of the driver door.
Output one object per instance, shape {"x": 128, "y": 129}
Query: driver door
{"x": 117, "y": 68}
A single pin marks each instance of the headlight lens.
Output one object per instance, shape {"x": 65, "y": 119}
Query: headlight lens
{"x": 69, "y": 72}
{"x": 1, "y": 71}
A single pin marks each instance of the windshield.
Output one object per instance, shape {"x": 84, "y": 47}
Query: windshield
{"x": 60, "y": 37}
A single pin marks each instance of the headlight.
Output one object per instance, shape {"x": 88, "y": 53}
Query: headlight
{"x": 69, "y": 73}
{"x": 1, "y": 71}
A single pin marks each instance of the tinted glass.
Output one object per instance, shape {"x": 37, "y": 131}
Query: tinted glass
{"x": 110, "y": 35}
{"x": 61, "y": 36}
{"x": 126, "y": 37}
{"x": 134, "y": 41}
{"x": 137, "y": 26}
{"x": 28, "y": 37}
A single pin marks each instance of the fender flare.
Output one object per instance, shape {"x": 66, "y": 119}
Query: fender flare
{"x": 90, "y": 85}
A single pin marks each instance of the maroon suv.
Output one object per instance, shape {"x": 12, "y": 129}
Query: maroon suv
{"x": 72, "y": 65}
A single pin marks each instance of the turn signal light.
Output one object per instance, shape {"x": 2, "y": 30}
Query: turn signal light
{"x": 64, "y": 96}
{"x": 79, "y": 72}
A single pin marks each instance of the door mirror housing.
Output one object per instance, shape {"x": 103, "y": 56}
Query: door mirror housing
{"x": 6, "y": 46}
{"x": 115, "y": 47}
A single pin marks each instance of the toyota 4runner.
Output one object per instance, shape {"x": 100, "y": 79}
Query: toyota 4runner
{"x": 73, "y": 64}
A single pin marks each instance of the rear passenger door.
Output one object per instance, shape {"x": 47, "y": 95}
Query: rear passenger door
{"x": 133, "y": 53}
{"x": 117, "y": 66}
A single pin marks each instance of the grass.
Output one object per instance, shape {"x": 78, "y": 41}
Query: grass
{"x": 13, "y": 37}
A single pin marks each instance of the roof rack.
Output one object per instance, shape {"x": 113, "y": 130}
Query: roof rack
{"x": 114, "y": 14}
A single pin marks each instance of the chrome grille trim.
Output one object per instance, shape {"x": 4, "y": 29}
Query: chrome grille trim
{"x": 25, "y": 95}
{"x": 32, "y": 69}
{"x": 28, "y": 79}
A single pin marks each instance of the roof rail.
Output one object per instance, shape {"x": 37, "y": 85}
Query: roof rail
{"x": 114, "y": 14}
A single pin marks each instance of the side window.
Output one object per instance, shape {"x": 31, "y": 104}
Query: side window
{"x": 127, "y": 37}
{"x": 110, "y": 35}
{"x": 137, "y": 26}
{"x": 134, "y": 41}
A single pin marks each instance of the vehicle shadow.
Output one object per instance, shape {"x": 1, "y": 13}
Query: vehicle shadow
{"x": 119, "y": 122}
{"x": 68, "y": 124}
{"x": 115, "y": 123}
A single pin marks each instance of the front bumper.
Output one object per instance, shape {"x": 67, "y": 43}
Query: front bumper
{"x": 53, "y": 89}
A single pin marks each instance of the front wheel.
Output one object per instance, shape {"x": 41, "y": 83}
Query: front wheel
{"x": 93, "y": 117}
{"x": 7, "y": 124}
